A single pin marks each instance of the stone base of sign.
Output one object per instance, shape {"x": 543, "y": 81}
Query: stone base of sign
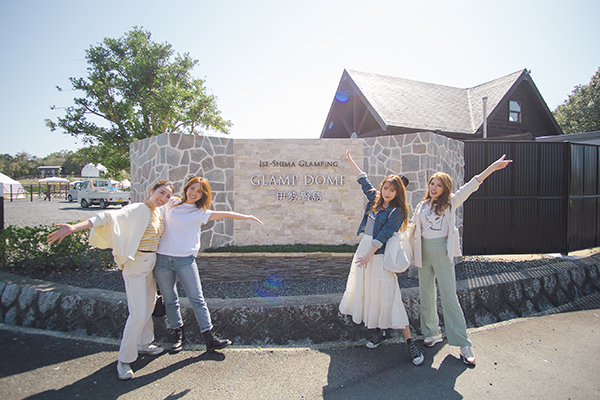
{"x": 294, "y": 319}
{"x": 227, "y": 267}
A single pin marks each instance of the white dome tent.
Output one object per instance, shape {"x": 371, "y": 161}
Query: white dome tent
{"x": 10, "y": 185}
{"x": 92, "y": 171}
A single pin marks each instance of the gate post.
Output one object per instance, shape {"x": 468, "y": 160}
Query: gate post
{"x": 568, "y": 167}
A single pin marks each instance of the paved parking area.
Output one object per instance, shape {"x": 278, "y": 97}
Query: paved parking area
{"x": 548, "y": 357}
{"x": 23, "y": 212}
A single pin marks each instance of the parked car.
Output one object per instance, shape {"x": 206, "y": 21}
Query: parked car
{"x": 73, "y": 191}
{"x": 102, "y": 193}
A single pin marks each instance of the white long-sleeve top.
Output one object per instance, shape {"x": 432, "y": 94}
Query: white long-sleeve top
{"x": 120, "y": 230}
{"x": 456, "y": 199}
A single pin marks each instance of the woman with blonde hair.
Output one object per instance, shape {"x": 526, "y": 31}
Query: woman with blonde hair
{"x": 437, "y": 242}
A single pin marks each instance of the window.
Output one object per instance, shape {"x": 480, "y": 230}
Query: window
{"x": 514, "y": 111}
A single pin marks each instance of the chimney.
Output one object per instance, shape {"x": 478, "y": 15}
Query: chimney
{"x": 484, "y": 117}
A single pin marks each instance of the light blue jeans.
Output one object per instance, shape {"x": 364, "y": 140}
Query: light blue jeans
{"x": 166, "y": 272}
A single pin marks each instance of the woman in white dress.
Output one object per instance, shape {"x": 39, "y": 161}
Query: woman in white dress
{"x": 372, "y": 293}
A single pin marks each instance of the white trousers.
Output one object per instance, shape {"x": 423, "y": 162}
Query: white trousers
{"x": 140, "y": 288}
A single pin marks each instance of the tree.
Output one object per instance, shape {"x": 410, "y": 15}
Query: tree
{"x": 71, "y": 162}
{"x": 135, "y": 89}
{"x": 57, "y": 158}
{"x": 581, "y": 112}
{"x": 22, "y": 165}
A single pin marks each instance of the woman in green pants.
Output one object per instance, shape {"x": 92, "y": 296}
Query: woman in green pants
{"x": 436, "y": 245}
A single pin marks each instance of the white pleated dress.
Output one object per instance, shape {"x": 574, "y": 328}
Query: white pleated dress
{"x": 372, "y": 293}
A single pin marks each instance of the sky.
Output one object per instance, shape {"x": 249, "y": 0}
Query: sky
{"x": 274, "y": 65}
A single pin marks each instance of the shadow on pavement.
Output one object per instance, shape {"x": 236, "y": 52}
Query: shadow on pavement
{"x": 111, "y": 387}
{"x": 387, "y": 372}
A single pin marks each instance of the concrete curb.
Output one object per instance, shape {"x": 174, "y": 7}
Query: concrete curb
{"x": 294, "y": 319}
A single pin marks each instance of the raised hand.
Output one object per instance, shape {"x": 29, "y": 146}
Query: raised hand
{"x": 500, "y": 163}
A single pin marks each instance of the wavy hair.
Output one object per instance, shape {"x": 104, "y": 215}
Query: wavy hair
{"x": 443, "y": 202}
{"x": 206, "y": 198}
{"x": 398, "y": 202}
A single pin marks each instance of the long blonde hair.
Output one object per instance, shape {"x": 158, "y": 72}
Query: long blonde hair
{"x": 443, "y": 202}
{"x": 398, "y": 202}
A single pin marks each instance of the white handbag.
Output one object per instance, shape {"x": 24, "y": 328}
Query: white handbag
{"x": 398, "y": 253}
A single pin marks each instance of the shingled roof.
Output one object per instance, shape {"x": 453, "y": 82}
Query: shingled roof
{"x": 420, "y": 106}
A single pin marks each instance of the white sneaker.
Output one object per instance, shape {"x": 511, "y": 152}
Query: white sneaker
{"x": 124, "y": 371}
{"x": 431, "y": 341}
{"x": 466, "y": 354}
{"x": 149, "y": 349}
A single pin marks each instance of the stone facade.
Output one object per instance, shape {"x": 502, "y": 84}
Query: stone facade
{"x": 304, "y": 190}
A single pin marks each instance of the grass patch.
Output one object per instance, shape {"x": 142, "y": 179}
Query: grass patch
{"x": 286, "y": 248}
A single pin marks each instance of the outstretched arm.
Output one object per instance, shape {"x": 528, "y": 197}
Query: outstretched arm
{"x": 355, "y": 167}
{"x": 495, "y": 166}
{"x": 65, "y": 230}
{"x": 233, "y": 215}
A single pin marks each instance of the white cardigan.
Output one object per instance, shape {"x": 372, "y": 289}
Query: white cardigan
{"x": 120, "y": 230}
{"x": 456, "y": 200}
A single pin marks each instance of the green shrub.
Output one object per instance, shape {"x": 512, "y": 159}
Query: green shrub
{"x": 27, "y": 248}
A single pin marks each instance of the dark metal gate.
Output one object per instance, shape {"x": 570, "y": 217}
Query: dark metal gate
{"x": 546, "y": 201}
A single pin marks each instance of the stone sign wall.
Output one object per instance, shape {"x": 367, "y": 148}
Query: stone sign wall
{"x": 304, "y": 190}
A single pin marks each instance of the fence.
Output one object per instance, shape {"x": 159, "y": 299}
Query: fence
{"x": 547, "y": 201}
{"x": 46, "y": 191}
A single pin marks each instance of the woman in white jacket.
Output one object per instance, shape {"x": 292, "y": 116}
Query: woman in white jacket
{"x": 133, "y": 233}
{"x": 436, "y": 245}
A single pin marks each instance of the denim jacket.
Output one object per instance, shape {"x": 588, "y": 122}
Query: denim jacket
{"x": 387, "y": 221}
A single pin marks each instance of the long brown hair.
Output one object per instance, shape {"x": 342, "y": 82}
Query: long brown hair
{"x": 206, "y": 198}
{"x": 443, "y": 201}
{"x": 398, "y": 202}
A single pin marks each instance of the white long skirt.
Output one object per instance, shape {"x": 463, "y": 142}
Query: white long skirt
{"x": 372, "y": 293}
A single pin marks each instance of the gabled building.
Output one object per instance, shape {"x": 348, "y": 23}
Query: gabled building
{"x": 507, "y": 108}
{"x": 49, "y": 171}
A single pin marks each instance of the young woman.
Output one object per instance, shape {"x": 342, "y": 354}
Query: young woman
{"x": 436, "y": 245}
{"x": 132, "y": 233}
{"x": 176, "y": 258}
{"x": 372, "y": 293}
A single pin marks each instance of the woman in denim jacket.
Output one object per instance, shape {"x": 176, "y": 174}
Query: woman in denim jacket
{"x": 372, "y": 293}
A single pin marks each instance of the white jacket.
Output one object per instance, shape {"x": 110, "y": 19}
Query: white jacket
{"x": 456, "y": 200}
{"x": 120, "y": 230}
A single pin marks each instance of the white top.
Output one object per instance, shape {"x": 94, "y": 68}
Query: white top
{"x": 181, "y": 237}
{"x": 433, "y": 226}
{"x": 456, "y": 200}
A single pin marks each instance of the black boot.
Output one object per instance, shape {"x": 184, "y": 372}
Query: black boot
{"x": 214, "y": 343}
{"x": 177, "y": 340}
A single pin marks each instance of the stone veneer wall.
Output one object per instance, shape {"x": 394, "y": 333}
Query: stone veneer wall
{"x": 295, "y": 211}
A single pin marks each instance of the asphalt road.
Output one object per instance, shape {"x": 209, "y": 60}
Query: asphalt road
{"x": 552, "y": 357}
{"x": 22, "y": 212}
